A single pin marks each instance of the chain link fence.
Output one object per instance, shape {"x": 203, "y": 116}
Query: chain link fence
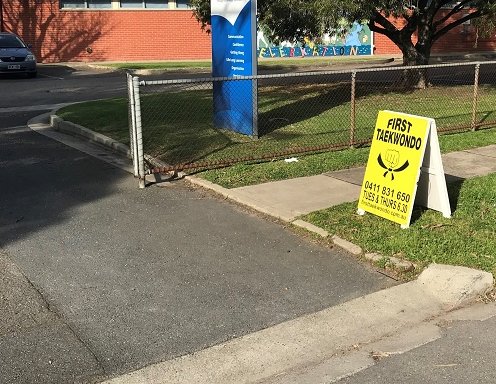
{"x": 173, "y": 126}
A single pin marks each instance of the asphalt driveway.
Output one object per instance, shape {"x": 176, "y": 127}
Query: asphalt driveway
{"x": 138, "y": 276}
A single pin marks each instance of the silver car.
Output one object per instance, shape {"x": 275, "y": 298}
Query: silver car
{"x": 15, "y": 55}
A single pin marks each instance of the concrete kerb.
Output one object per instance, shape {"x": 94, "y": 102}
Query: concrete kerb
{"x": 60, "y": 124}
{"x": 105, "y": 66}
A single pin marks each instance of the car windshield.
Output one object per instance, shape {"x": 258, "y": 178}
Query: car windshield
{"x": 9, "y": 41}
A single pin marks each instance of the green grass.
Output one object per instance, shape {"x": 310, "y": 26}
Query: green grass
{"x": 164, "y": 65}
{"x": 108, "y": 117}
{"x": 240, "y": 175}
{"x": 288, "y": 63}
{"x": 178, "y": 126}
{"x": 468, "y": 238}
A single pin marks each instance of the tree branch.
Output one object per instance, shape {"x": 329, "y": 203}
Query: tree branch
{"x": 456, "y": 23}
{"x": 375, "y": 28}
{"x": 379, "y": 18}
{"x": 457, "y": 8}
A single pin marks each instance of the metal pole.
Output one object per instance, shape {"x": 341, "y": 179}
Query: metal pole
{"x": 475, "y": 99}
{"x": 254, "y": 83}
{"x": 139, "y": 134}
{"x": 132, "y": 124}
{"x": 353, "y": 110}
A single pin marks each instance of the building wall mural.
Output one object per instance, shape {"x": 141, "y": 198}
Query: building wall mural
{"x": 356, "y": 41}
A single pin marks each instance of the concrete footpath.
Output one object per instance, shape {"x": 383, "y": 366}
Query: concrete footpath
{"x": 289, "y": 199}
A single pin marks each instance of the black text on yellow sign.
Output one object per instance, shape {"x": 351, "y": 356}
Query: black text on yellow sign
{"x": 393, "y": 168}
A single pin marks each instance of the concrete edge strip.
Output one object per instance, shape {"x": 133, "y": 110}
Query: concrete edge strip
{"x": 32, "y": 108}
{"x": 232, "y": 195}
{"x": 349, "y": 246}
{"x": 310, "y": 227}
{"x": 61, "y": 125}
{"x": 293, "y": 346}
{"x": 65, "y": 126}
{"x": 354, "y": 249}
{"x": 72, "y": 139}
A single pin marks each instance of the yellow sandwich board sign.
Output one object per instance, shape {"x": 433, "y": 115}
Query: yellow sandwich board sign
{"x": 404, "y": 156}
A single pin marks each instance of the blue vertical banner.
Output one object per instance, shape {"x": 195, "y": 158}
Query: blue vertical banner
{"x": 234, "y": 54}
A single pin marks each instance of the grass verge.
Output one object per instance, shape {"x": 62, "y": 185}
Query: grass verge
{"x": 467, "y": 239}
{"x": 286, "y": 63}
{"x": 248, "y": 174}
{"x": 178, "y": 127}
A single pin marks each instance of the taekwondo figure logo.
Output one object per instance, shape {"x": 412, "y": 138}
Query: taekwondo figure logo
{"x": 390, "y": 162}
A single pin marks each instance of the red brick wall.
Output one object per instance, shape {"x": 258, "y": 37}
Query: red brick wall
{"x": 110, "y": 35}
{"x": 382, "y": 45}
{"x": 460, "y": 39}
{"x": 134, "y": 35}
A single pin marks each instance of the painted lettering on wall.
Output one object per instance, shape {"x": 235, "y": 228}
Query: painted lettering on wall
{"x": 318, "y": 50}
{"x": 354, "y": 41}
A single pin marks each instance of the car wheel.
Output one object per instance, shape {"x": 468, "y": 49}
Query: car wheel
{"x": 32, "y": 75}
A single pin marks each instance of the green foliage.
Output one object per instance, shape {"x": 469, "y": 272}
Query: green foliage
{"x": 485, "y": 26}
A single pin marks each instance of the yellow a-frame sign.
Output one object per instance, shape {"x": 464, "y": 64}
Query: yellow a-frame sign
{"x": 404, "y": 167}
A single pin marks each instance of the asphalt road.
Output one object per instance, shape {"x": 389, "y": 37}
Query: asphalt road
{"x": 60, "y": 84}
{"x": 465, "y": 354}
{"x": 116, "y": 277}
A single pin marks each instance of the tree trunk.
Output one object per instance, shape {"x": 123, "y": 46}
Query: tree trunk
{"x": 412, "y": 56}
{"x": 418, "y": 54}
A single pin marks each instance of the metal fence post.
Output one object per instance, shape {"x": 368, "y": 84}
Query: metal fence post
{"x": 353, "y": 109}
{"x": 132, "y": 124}
{"x": 254, "y": 83}
{"x": 139, "y": 134}
{"x": 476, "y": 96}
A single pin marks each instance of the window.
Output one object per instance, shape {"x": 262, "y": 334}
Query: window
{"x": 99, "y": 3}
{"x": 145, "y": 4}
{"x": 10, "y": 41}
{"x": 72, "y": 4}
{"x": 182, "y": 4}
{"x": 126, "y": 4}
{"x": 86, "y": 4}
{"x": 156, "y": 4}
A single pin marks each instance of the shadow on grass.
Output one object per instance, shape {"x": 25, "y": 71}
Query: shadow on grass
{"x": 454, "y": 185}
{"x": 178, "y": 127}
{"x": 295, "y": 114}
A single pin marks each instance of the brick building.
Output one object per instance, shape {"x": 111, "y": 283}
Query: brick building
{"x": 107, "y": 30}
{"x": 137, "y": 30}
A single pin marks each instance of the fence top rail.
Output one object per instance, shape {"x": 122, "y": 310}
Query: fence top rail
{"x": 309, "y": 74}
